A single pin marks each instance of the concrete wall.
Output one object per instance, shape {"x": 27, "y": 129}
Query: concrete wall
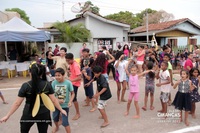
{"x": 100, "y": 29}
{"x": 75, "y": 22}
{"x": 6, "y": 16}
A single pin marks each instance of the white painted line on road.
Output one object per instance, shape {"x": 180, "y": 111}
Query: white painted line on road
{"x": 7, "y": 89}
{"x": 189, "y": 129}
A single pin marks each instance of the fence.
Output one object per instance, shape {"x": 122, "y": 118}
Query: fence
{"x": 182, "y": 48}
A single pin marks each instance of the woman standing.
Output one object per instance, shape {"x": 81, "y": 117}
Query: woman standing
{"x": 140, "y": 57}
{"x": 120, "y": 76}
{"x": 37, "y": 86}
{"x": 126, "y": 51}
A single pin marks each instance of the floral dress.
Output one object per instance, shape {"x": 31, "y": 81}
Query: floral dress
{"x": 195, "y": 97}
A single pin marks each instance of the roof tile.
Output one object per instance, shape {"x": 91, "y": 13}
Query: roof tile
{"x": 159, "y": 26}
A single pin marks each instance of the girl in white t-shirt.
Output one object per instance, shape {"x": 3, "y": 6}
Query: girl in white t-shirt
{"x": 120, "y": 76}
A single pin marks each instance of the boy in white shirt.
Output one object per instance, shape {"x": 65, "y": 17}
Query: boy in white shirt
{"x": 164, "y": 84}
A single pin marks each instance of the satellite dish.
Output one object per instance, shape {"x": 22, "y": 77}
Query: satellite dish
{"x": 80, "y": 7}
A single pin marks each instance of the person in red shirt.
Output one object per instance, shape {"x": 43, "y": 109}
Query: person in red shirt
{"x": 75, "y": 78}
{"x": 56, "y": 50}
{"x": 188, "y": 64}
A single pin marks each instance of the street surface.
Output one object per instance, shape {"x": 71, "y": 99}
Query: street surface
{"x": 149, "y": 122}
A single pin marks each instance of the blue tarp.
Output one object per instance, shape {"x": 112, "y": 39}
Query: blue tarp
{"x": 18, "y": 30}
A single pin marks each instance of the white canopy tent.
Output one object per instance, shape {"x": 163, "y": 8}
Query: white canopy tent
{"x": 17, "y": 30}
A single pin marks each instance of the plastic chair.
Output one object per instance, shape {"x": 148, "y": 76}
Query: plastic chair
{"x": 10, "y": 70}
{"x": 22, "y": 67}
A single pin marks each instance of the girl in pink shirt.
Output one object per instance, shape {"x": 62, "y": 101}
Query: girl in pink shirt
{"x": 126, "y": 51}
{"x": 140, "y": 57}
{"x": 133, "y": 89}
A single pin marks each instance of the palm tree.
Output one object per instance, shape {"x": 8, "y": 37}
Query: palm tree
{"x": 70, "y": 34}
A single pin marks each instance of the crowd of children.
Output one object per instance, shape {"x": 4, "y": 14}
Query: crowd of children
{"x": 129, "y": 66}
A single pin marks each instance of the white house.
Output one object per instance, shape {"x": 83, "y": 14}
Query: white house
{"x": 103, "y": 31}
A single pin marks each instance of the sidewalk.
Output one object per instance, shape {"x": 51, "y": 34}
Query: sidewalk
{"x": 14, "y": 82}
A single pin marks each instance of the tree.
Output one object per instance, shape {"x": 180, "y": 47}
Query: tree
{"x": 93, "y": 9}
{"x": 22, "y": 13}
{"x": 142, "y": 15}
{"x": 139, "y": 19}
{"x": 159, "y": 17}
{"x": 125, "y": 17}
{"x": 70, "y": 34}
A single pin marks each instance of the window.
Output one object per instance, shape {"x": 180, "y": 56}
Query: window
{"x": 193, "y": 41}
{"x": 172, "y": 42}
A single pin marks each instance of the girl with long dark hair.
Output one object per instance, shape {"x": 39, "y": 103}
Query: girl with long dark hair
{"x": 39, "y": 97}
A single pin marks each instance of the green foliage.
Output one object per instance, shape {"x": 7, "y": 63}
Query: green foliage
{"x": 139, "y": 19}
{"x": 70, "y": 34}
{"x": 93, "y": 9}
{"x": 22, "y": 13}
{"x": 125, "y": 17}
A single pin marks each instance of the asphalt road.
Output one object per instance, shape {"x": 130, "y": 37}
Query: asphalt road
{"x": 150, "y": 121}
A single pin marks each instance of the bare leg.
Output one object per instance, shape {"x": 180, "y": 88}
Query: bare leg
{"x": 151, "y": 101}
{"x": 118, "y": 91}
{"x": 186, "y": 118}
{"x": 55, "y": 129}
{"x": 3, "y": 99}
{"x": 193, "y": 110}
{"x": 93, "y": 105}
{"x": 145, "y": 101}
{"x": 77, "y": 116}
{"x": 87, "y": 102}
{"x": 170, "y": 101}
{"x": 67, "y": 129}
{"x": 162, "y": 110}
{"x": 97, "y": 98}
{"x": 123, "y": 91}
{"x": 181, "y": 116}
{"x": 137, "y": 110}
{"x": 128, "y": 107}
{"x": 103, "y": 113}
{"x": 140, "y": 68}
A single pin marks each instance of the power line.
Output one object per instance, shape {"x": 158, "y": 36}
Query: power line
{"x": 40, "y": 2}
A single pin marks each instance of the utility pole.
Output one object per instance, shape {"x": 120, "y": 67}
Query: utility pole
{"x": 63, "y": 9}
{"x": 147, "y": 25}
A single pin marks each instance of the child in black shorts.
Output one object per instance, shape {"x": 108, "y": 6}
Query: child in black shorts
{"x": 103, "y": 91}
{"x": 87, "y": 77}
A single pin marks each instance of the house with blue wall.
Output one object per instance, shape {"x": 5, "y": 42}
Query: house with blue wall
{"x": 179, "y": 32}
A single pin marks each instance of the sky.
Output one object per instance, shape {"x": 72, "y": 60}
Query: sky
{"x": 40, "y": 11}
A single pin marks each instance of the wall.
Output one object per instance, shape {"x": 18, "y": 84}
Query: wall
{"x": 75, "y": 22}
{"x": 182, "y": 41}
{"x": 188, "y": 27}
{"x": 3, "y": 17}
{"x": 101, "y": 29}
